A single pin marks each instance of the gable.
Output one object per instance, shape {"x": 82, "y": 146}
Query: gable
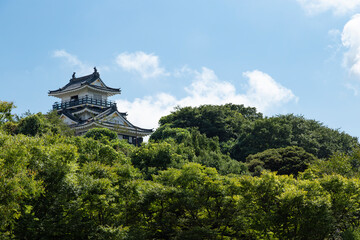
{"x": 98, "y": 82}
{"x": 67, "y": 120}
{"x": 116, "y": 118}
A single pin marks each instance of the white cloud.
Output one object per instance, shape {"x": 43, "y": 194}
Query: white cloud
{"x": 80, "y": 67}
{"x": 147, "y": 65}
{"x": 337, "y": 6}
{"x": 351, "y": 39}
{"x": 262, "y": 92}
{"x": 146, "y": 112}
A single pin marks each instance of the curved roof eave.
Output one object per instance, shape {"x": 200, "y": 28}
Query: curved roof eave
{"x": 109, "y": 91}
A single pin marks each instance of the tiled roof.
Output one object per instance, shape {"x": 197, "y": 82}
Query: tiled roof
{"x": 69, "y": 115}
{"x": 75, "y": 83}
{"x": 113, "y": 109}
{"x": 94, "y": 109}
{"x": 103, "y": 114}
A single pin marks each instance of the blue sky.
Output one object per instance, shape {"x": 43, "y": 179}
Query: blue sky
{"x": 281, "y": 56}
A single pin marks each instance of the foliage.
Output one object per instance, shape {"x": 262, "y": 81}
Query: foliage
{"x": 339, "y": 163}
{"x": 17, "y": 182}
{"x": 180, "y": 135}
{"x": 289, "y": 160}
{"x": 199, "y": 148}
{"x": 30, "y": 125}
{"x": 183, "y": 183}
{"x": 91, "y": 190}
{"x": 290, "y": 130}
{"x": 38, "y": 124}
{"x": 102, "y": 134}
{"x": 10, "y": 127}
{"x": 123, "y": 146}
{"x": 243, "y": 131}
{"x": 54, "y": 125}
{"x": 79, "y": 199}
{"x": 195, "y": 202}
{"x": 225, "y": 122}
{"x": 351, "y": 234}
{"x": 5, "y": 111}
{"x": 152, "y": 157}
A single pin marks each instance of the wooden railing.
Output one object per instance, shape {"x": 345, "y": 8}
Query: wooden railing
{"x": 85, "y": 100}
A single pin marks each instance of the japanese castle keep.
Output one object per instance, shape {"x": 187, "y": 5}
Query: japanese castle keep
{"x": 84, "y": 105}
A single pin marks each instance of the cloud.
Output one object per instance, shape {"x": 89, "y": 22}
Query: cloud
{"x": 350, "y": 38}
{"x": 147, "y": 65}
{"x": 339, "y": 7}
{"x": 262, "y": 91}
{"x": 80, "y": 67}
{"x": 146, "y": 112}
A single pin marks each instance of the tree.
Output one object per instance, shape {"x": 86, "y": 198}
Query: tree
{"x": 31, "y": 125}
{"x": 347, "y": 165}
{"x": 5, "y": 111}
{"x": 153, "y": 157}
{"x": 18, "y": 183}
{"x": 345, "y": 201}
{"x": 290, "y": 130}
{"x": 289, "y": 160}
{"x": 197, "y": 147}
{"x": 281, "y": 207}
{"x": 180, "y": 135}
{"x": 102, "y": 134}
{"x": 54, "y": 125}
{"x": 225, "y": 121}
{"x": 188, "y": 203}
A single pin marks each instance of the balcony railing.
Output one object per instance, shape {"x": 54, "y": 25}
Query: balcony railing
{"x": 85, "y": 100}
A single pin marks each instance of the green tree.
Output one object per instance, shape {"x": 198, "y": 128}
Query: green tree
{"x": 54, "y": 125}
{"x": 153, "y": 157}
{"x": 188, "y": 203}
{"x": 290, "y": 130}
{"x": 31, "y": 125}
{"x": 225, "y": 122}
{"x": 55, "y": 214}
{"x": 102, "y": 134}
{"x": 197, "y": 147}
{"x": 18, "y": 183}
{"x": 5, "y": 111}
{"x": 281, "y": 207}
{"x": 345, "y": 201}
{"x": 10, "y": 127}
{"x": 289, "y": 160}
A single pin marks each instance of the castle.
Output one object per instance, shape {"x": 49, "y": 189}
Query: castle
{"x": 84, "y": 105}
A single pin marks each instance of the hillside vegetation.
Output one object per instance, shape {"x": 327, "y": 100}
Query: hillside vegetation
{"x": 211, "y": 172}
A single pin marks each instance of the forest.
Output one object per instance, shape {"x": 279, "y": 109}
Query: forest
{"x": 208, "y": 172}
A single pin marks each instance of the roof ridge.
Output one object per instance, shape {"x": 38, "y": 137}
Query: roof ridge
{"x": 75, "y": 83}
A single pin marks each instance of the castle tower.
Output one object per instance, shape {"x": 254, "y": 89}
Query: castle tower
{"x": 84, "y": 105}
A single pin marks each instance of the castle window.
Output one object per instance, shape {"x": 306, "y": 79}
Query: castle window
{"x": 74, "y": 98}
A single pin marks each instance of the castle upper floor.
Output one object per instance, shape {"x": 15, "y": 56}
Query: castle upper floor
{"x": 86, "y": 87}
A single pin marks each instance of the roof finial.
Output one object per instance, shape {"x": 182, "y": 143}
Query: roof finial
{"x": 73, "y": 76}
{"x": 95, "y": 70}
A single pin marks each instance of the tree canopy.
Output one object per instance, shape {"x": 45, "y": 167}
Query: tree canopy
{"x": 243, "y": 131}
{"x": 225, "y": 122}
{"x": 289, "y": 130}
{"x": 185, "y": 183}
{"x": 5, "y": 111}
{"x": 288, "y": 160}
